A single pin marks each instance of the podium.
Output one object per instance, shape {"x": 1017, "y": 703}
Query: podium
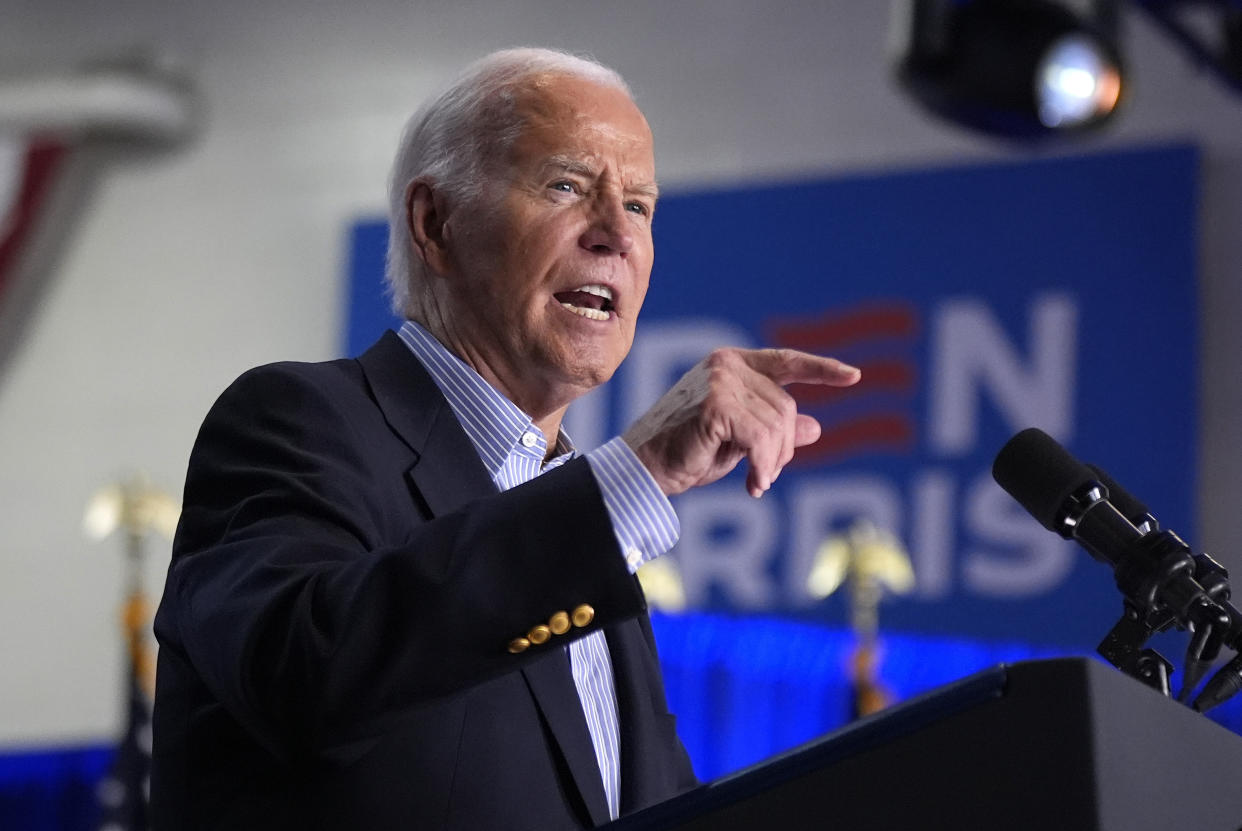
{"x": 1069, "y": 744}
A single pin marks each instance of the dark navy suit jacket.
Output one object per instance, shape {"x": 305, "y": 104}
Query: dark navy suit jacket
{"x": 344, "y": 584}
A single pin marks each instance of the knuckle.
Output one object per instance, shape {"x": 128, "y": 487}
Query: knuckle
{"x": 722, "y": 366}
{"x": 766, "y": 434}
{"x": 725, "y": 357}
{"x": 711, "y": 411}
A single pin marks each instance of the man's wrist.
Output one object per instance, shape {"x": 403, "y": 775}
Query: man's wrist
{"x": 643, "y": 520}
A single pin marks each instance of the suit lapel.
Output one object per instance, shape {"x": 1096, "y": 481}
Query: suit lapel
{"x": 633, "y": 665}
{"x": 551, "y": 681}
{"x": 448, "y": 474}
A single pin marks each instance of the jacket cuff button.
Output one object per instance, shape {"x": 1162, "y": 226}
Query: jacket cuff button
{"x": 583, "y": 615}
{"x": 518, "y": 645}
{"x": 539, "y": 634}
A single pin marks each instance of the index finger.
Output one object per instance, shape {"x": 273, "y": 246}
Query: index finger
{"x": 789, "y": 366}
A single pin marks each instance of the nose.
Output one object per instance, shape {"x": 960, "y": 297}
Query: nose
{"x": 609, "y": 229}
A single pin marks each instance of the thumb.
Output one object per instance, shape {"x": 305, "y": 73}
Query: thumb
{"x": 806, "y": 430}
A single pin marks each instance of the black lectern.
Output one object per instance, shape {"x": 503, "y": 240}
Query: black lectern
{"x": 1064, "y": 744}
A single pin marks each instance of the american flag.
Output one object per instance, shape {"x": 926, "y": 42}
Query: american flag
{"x": 125, "y": 792}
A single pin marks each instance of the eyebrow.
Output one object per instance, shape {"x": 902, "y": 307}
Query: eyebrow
{"x": 581, "y": 168}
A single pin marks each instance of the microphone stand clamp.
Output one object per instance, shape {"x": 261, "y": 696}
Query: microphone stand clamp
{"x": 1123, "y": 647}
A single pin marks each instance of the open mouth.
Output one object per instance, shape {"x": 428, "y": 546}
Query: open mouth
{"x": 591, "y": 301}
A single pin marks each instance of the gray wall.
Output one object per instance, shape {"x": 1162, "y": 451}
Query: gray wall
{"x": 191, "y": 268}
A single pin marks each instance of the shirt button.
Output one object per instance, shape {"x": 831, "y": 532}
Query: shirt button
{"x": 634, "y": 557}
{"x": 528, "y": 439}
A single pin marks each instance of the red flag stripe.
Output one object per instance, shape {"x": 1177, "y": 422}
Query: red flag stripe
{"x": 877, "y": 376}
{"x": 837, "y": 330}
{"x": 894, "y": 432}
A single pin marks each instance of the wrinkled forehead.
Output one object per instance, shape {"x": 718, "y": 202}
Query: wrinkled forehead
{"x": 569, "y": 116}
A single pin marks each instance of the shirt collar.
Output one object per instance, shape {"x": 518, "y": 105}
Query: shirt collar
{"x": 493, "y": 423}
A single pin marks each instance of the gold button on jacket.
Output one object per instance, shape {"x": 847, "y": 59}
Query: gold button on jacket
{"x": 583, "y": 615}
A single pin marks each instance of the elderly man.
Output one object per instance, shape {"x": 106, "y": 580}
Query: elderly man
{"x": 398, "y": 597}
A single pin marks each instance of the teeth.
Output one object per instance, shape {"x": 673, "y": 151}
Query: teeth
{"x": 598, "y": 291}
{"x": 593, "y": 314}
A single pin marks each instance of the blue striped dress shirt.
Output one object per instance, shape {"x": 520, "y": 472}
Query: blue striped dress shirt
{"x": 513, "y": 449}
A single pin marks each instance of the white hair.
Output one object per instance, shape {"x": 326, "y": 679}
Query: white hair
{"x": 450, "y": 141}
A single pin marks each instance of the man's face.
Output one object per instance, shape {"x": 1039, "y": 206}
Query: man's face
{"x": 545, "y": 279}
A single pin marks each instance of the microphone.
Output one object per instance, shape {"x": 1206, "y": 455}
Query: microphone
{"x": 1066, "y": 496}
{"x": 1155, "y": 570}
{"x": 1211, "y": 575}
{"x": 1125, "y": 502}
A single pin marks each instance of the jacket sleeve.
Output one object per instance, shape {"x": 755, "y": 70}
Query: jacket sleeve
{"x": 314, "y": 597}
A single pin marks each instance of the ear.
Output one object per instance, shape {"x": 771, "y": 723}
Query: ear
{"x": 427, "y": 213}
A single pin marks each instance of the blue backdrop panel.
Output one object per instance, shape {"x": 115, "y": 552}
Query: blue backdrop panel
{"x": 747, "y": 688}
{"x": 52, "y": 789}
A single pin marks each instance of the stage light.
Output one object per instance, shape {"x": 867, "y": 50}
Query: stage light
{"x": 1076, "y": 84}
{"x": 1019, "y": 68}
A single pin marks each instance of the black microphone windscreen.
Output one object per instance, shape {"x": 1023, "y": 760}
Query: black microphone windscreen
{"x": 1040, "y": 474}
{"x": 1122, "y": 499}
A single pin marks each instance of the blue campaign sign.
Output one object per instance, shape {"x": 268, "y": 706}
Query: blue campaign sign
{"x": 978, "y": 301}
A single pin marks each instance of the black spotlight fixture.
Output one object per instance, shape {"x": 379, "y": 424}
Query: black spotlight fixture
{"x": 1015, "y": 68}
{"x": 1209, "y": 31}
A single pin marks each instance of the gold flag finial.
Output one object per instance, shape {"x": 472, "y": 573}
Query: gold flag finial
{"x": 139, "y": 509}
{"x": 134, "y": 505}
{"x": 872, "y": 561}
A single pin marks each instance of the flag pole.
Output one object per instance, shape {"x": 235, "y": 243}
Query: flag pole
{"x": 137, "y": 509}
{"x": 871, "y": 562}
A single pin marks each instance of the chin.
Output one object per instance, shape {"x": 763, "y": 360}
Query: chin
{"x": 589, "y": 364}
{"x": 590, "y": 377}
{"x": 586, "y": 375}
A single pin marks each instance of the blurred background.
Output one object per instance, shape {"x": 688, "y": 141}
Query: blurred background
{"x": 232, "y": 214}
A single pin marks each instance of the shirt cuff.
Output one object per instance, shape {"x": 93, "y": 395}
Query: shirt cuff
{"x": 642, "y": 518}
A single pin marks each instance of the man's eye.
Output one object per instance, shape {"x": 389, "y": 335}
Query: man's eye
{"x": 638, "y": 208}
{"x": 563, "y": 187}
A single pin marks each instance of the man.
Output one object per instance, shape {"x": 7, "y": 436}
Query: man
{"x": 397, "y": 599}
